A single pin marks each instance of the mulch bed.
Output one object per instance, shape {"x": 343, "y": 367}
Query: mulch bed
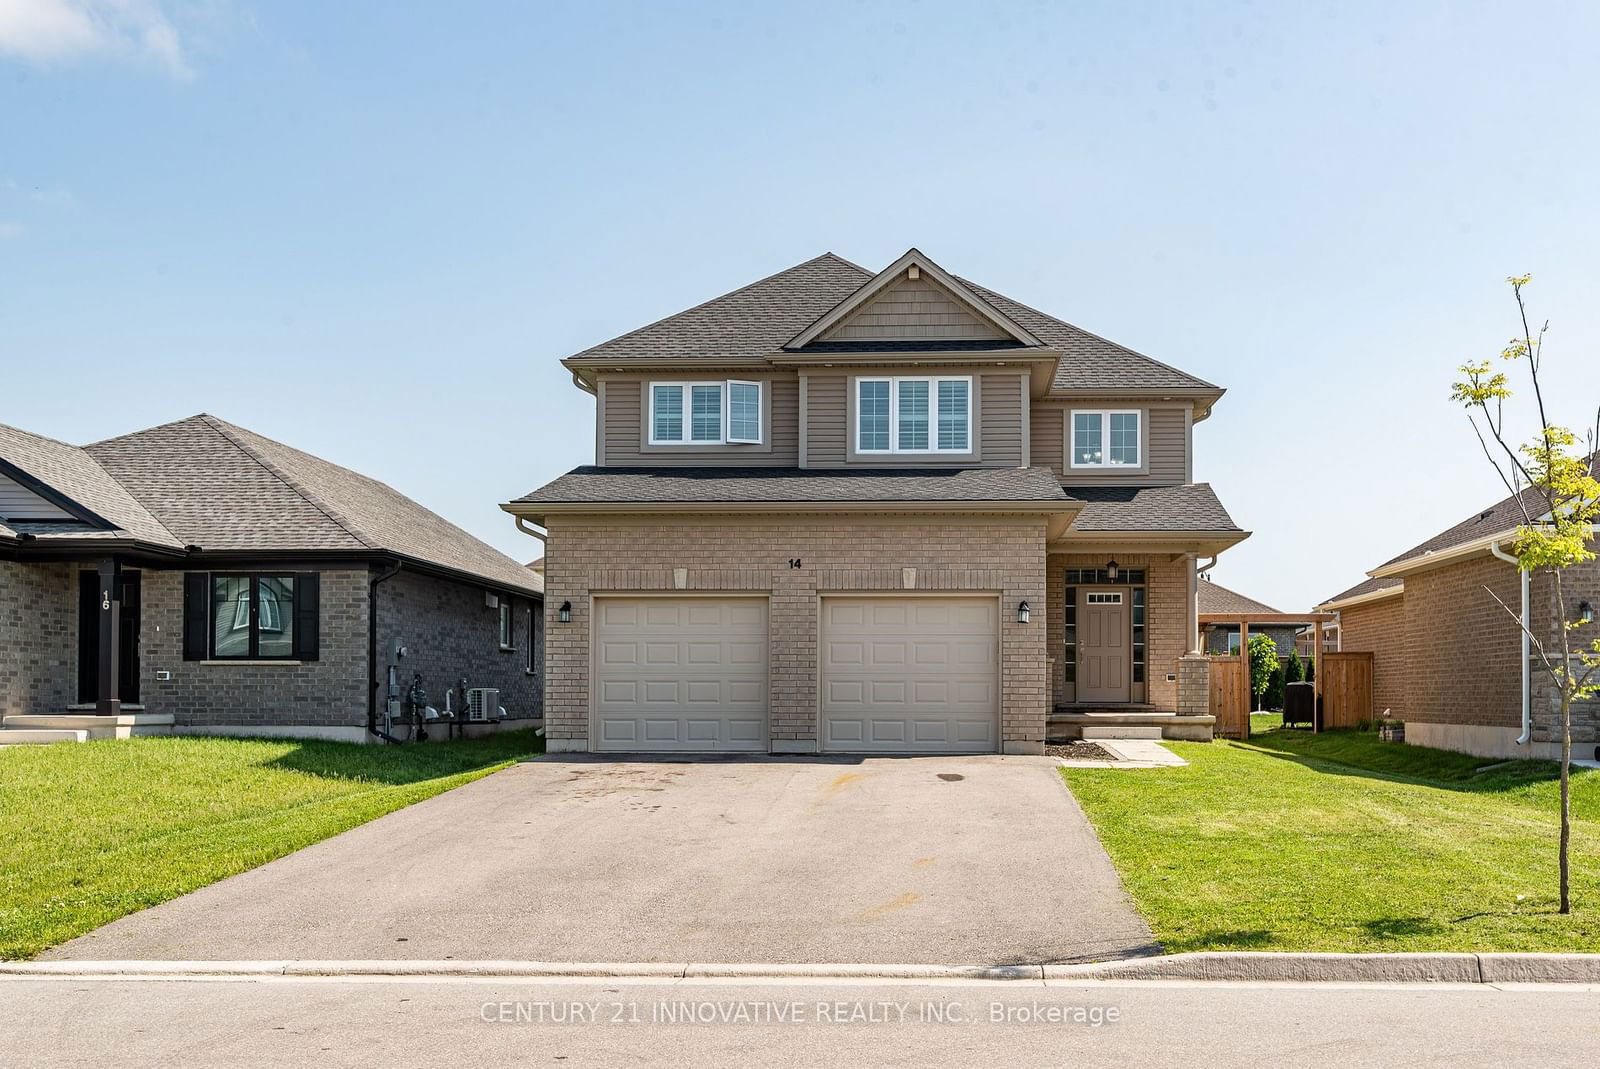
{"x": 1078, "y": 751}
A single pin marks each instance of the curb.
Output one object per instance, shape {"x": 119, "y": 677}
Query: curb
{"x": 1257, "y": 967}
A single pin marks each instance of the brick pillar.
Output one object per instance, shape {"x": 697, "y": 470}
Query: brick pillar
{"x": 1194, "y": 684}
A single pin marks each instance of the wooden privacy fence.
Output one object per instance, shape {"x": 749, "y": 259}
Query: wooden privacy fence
{"x": 1346, "y": 689}
{"x": 1230, "y": 697}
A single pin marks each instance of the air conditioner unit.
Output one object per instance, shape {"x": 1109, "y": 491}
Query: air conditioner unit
{"x": 483, "y": 703}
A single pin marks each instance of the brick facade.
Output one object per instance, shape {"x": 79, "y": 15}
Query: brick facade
{"x": 328, "y": 695}
{"x": 1216, "y": 637}
{"x": 451, "y": 632}
{"x": 1446, "y": 657}
{"x": 737, "y": 554}
{"x": 1379, "y": 628}
{"x": 38, "y": 638}
{"x": 1166, "y": 621}
{"x": 446, "y": 624}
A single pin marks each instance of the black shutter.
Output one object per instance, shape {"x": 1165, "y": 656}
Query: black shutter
{"x": 196, "y": 614}
{"x": 307, "y": 616}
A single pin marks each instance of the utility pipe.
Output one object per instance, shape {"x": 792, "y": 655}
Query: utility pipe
{"x": 1527, "y": 644}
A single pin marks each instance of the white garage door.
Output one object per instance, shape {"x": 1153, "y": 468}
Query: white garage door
{"x": 680, "y": 674}
{"x": 910, "y": 674}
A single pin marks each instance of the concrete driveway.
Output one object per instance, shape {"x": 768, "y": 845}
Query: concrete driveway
{"x": 882, "y": 860}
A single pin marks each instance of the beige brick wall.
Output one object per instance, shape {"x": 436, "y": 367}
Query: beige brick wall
{"x": 1379, "y": 628}
{"x": 1166, "y": 620}
{"x": 590, "y": 554}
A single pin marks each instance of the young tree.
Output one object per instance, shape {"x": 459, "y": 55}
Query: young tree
{"x": 1294, "y": 671}
{"x": 1558, "y": 495}
{"x": 1263, "y": 659}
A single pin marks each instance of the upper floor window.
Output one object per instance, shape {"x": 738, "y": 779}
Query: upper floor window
{"x": 906, "y": 414}
{"x": 705, "y": 413}
{"x": 1105, "y": 439}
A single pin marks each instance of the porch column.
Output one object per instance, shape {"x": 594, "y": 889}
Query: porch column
{"x": 109, "y": 700}
{"x": 1316, "y": 678}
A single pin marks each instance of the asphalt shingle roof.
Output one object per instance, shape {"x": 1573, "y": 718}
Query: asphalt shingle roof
{"x": 757, "y": 320}
{"x": 1216, "y": 598}
{"x": 76, "y": 474}
{"x": 1366, "y": 586}
{"x": 203, "y": 481}
{"x": 1188, "y": 507}
{"x": 1501, "y": 516}
{"x": 589, "y": 485}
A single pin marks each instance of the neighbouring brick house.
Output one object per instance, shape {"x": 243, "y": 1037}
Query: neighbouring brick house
{"x": 1448, "y": 658}
{"x": 198, "y": 577}
{"x": 896, "y": 512}
{"x": 1223, "y": 638}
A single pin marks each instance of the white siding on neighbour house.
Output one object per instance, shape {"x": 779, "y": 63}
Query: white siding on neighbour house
{"x": 17, "y": 502}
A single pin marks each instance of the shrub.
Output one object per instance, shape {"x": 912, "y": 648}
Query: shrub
{"x": 1294, "y": 671}
{"x": 1273, "y": 698}
{"x": 1263, "y": 662}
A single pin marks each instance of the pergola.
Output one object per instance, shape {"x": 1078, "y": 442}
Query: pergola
{"x": 1238, "y": 720}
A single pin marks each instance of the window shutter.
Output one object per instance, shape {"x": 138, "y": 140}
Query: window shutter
{"x": 307, "y": 616}
{"x": 196, "y": 614}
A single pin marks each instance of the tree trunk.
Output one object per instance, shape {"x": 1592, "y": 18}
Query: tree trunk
{"x": 1566, "y": 799}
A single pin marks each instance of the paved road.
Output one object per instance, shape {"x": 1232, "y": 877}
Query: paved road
{"x": 954, "y": 859}
{"x": 297, "y": 1023}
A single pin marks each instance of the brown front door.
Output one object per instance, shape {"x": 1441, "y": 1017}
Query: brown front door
{"x": 1103, "y": 645}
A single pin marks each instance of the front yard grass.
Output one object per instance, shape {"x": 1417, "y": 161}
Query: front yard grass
{"x": 94, "y": 831}
{"x": 1339, "y": 842}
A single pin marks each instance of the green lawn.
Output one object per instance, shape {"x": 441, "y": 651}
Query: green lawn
{"x": 1340, "y": 842}
{"x": 91, "y": 832}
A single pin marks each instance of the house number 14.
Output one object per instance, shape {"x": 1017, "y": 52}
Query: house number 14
{"x": 794, "y": 562}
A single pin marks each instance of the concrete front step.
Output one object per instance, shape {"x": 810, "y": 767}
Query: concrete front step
{"x": 39, "y": 736}
{"x": 1091, "y": 732}
{"x": 122, "y": 726}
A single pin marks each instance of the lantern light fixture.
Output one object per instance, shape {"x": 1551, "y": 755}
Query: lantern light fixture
{"x": 1023, "y": 612}
{"x": 1111, "y": 570}
{"x": 566, "y": 612}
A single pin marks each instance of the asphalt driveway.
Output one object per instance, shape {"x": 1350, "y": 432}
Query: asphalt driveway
{"x": 882, "y": 860}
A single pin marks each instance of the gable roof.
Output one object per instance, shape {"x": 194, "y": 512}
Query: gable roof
{"x": 1214, "y": 597}
{"x": 205, "y": 482}
{"x": 75, "y": 475}
{"x": 973, "y": 305}
{"x": 757, "y": 321}
{"x": 1188, "y": 507}
{"x": 1366, "y": 589}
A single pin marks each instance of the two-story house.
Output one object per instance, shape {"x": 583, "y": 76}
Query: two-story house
{"x": 841, "y": 511}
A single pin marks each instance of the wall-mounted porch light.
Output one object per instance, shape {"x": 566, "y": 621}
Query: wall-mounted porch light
{"x": 566, "y": 612}
{"x": 1585, "y": 613}
{"x": 1111, "y": 570}
{"x": 1022, "y": 612}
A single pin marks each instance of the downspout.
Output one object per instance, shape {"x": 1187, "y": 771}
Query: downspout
{"x": 1527, "y": 644}
{"x": 1196, "y": 644}
{"x": 372, "y": 653}
{"x": 525, "y": 528}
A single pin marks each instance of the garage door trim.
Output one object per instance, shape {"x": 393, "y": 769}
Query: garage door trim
{"x": 996, "y": 596}
{"x": 671, "y": 595}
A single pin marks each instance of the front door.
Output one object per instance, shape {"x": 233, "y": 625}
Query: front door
{"x": 1103, "y": 645}
{"x": 89, "y": 638}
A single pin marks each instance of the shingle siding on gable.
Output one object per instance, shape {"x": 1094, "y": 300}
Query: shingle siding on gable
{"x": 914, "y": 308}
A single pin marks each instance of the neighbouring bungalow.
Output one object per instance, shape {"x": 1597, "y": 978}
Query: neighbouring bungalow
{"x": 197, "y": 577}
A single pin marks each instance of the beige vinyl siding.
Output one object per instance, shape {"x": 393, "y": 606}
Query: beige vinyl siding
{"x": 912, "y": 309}
{"x": 997, "y": 424}
{"x": 625, "y": 421}
{"x": 17, "y": 502}
{"x": 827, "y": 398}
{"x": 1166, "y": 443}
{"x": 1001, "y": 420}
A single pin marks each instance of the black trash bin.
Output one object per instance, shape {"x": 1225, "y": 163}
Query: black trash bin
{"x": 1299, "y": 704}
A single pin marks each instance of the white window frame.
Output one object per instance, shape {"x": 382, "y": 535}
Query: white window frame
{"x": 894, "y": 382}
{"x": 686, "y": 412}
{"x": 1105, "y": 415}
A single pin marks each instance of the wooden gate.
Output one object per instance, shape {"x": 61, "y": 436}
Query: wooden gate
{"x": 1346, "y": 689}
{"x": 1230, "y": 698}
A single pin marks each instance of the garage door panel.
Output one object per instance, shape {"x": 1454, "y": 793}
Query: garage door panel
{"x": 910, "y": 674}
{"x": 686, "y": 674}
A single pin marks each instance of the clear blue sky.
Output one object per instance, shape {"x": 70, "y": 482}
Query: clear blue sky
{"x": 372, "y": 230}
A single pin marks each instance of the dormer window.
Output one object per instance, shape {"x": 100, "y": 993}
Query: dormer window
{"x": 914, "y": 414}
{"x": 705, "y": 413}
{"x": 1106, "y": 439}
